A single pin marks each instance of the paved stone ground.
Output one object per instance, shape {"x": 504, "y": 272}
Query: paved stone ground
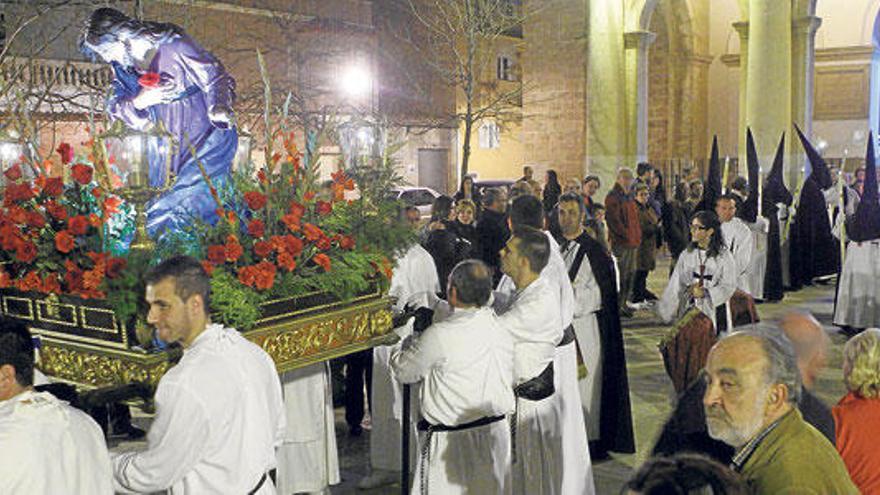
{"x": 650, "y": 389}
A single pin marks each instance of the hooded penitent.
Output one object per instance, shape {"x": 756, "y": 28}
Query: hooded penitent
{"x": 865, "y": 224}
{"x": 814, "y": 251}
{"x": 775, "y": 193}
{"x": 712, "y": 187}
{"x": 750, "y": 205}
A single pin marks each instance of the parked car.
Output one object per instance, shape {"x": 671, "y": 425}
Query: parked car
{"x": 420, "y": 197}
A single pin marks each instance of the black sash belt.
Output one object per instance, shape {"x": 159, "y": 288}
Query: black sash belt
{"x": 430, "y": 429}
{"x": 259, "y": 485}
{"x": 538, "y": 388}
{"x": 567, "y": 336}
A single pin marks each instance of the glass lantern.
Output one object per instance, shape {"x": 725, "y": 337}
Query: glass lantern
{"x": 11, "y": 151}
{"x": 362, "y": 142}
{"x": 142, "y": 160}
{"x": 242, "y": 157}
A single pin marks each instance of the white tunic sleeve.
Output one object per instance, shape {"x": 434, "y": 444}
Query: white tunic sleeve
{"x": 417, "y": 356}
{"x": 669, "y": 302}
{"x": 723, "y": 284}
{"x": 175, "y": 443}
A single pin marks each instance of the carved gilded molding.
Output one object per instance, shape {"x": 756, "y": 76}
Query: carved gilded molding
{"x": 291, "y": 344}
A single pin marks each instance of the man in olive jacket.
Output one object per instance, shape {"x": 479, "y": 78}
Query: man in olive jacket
{"x": 624, "y": 232}
{"x": 752, "y": 388}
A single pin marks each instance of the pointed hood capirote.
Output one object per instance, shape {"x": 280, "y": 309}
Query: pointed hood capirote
{"x": 775, "y": 191}
{"x": 750, "y": 206}
{"x": 820, "y": 173}
{"x": 712, "y": 188}
{"x": 865, "y": 224}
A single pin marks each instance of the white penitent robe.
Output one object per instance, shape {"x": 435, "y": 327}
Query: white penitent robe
{"x": 739, "y": 241}
{"x": 587, "y": 300}
{"x": 219, "y": 418}
{"x": 413, "y": 280}
{"x": 719, "y": 276}
{"x": 858, "y": 292}
{"x": 465, "y": 366}
{"x": 48, "y": 447}
{"x": 758, "y": 260}
{"x": 307, "y": 459}
{"x": 532, "y": 318}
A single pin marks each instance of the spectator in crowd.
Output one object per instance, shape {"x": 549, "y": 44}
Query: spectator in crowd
{"x": 591, "y": 187}
{"x": 552, "y": 190}
{"x": 649, "y": 223}
{"x": 467, "y": 191}
{"x": 752, "y": 391}
{"x": 465, "y": 227}
{"x": 572, "y": 185}
{"x": 856, "y": 415}
{"x": 441, "y": 240}
{"x": 521, "y": 188}
{"x": 695, "y": 195}
{"x": 596, "y": 227}
{"x": 528, "y": 177}
{"x": 685, "y": 474}
{"x": 492, "y": 230}
{"x": 675, "y": 221}
{"x": 624, "y": 232}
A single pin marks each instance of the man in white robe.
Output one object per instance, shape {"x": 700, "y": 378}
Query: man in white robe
{"x": 413, "y": 282}
{"x": 46, "y": 446}
{"x": 465, "y": 365}
{"x": 588, "y": 300}
{"x": 739, "y": 240}
{"x": 219, "y": 413}
{"x": 526, "y": 212}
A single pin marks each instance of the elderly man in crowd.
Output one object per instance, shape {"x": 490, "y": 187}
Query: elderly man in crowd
{"x": 219, "y": 412}
{"x": 46, "y": 446}
{"x": 685, "y": 430}
{"x": 624, "y": 232}
{"x": 465, "y": 365}
{"x": 752, "y": 391}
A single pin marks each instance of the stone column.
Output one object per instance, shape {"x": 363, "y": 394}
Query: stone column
{"x": 637, "y": 44}
{"x": 803, "y": 50}
{"x": 742, "y": 28}
{"x": 606, "y": 91}
{"x": 768, "y": 81}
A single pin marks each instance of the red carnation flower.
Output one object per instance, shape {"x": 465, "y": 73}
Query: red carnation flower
{"x": 323, "y": 243}
{"x": 64, "y": 242}
{"x": 111, "y": 205}
{"x": 255, "y": 200}
{"x": 17, "y": 214}
{"x": 217, "y": 254}
{"x": 323, "y": 208}
{"x": 297, "y": 209}
{"x": 150, "y": 80}
{"x": 265, "y": 275}
{"x": 286, "y": 261}
{"x": 209, "y": 268}
{"x": 81, "y": 173}
{"x": 26, "y": 251}
{"x": 53, "y": 187}
{"x": 36, "y": 220}
{"x": 312, "y": 232}
{"x": 13, "y": 173}
{"x": 30, "y": 282}
{"x": 51, "y": 284}
{"x": 293, "y": 245}
{"x": 256, "y": 228}
{"x": 233, "y": 251}
{"x": 323, "y": 261}
{"x": 78, "y": 225}
{"x": 262, "y": 248}
{"x": 55, "y": 210}
{"x": 66, "y": 152}
{"x": 346, "y": 242}
{"x": 18, "y": 192}
{"x": 309, "y": 195}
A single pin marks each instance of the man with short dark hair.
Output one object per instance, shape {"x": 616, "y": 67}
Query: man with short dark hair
{"x": 46, "y": 446}
{"x": 739, "y": 240}
{"x": 492, "y": 229}
{"x": 752, "y": 388}
{"x": 465, "y": 364}
{"x": 219, "y": 413}
{"x": 625, "y": 233}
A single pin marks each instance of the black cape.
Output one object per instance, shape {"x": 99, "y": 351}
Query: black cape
{"x": 615, "y": 421}
{"x": 865, "y": 224}
{"x": 814, "y": 251}
{"x": 774, "y": 193}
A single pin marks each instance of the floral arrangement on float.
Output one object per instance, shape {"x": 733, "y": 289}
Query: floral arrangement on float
{"x": 284, "y": 241}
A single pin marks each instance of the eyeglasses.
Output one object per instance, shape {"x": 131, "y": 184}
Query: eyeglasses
{"x": 698, "y": 227}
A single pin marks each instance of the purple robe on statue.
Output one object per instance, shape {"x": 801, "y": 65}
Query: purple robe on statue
{"x": 204, "y": 85}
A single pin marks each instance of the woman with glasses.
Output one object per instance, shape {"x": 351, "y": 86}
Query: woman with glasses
{"x": 696, "y": 298}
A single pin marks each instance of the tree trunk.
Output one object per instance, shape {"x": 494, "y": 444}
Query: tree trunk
{"x": 466, "y": 145}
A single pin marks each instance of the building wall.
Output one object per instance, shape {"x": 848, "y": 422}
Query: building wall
{"x": 554, "y": 65}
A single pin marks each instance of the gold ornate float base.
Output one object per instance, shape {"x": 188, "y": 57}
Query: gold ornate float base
{"x": 313, "y": 336}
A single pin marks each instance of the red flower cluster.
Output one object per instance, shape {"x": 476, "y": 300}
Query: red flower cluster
{"x": 65, "y": 150}
{"x": 255, "y": 200}
{"x": 260, "y": 276}
{"x": 82, "y": 173}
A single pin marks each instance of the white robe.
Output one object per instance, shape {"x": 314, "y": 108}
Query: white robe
{"x": 720, "y": 283}
{"x": 858, "y": 293}
{"x": 758, "y": 260}
{"x": 587, "y": 300}
{"x": 465, "y": 366}
{"x": 48, "y": 447}
{"x": 219, "y": 417}
{"x": 308, "y": 460}
{"x": 413, "y": 279}
{"x": 739, "y": 240}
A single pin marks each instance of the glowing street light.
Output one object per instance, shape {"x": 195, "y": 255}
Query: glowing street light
{"x": 355, "y": 81}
